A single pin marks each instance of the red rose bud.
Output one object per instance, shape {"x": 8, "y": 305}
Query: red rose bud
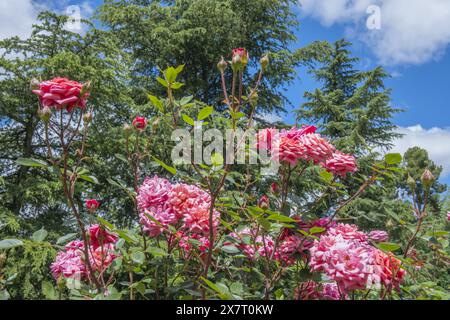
{"x": 275, "y": 188}
{"x": 222, "y": 65}
{"x": 92, "y": 205}
{"x": 139, "y": 123}
{"x": 264, "y": 202}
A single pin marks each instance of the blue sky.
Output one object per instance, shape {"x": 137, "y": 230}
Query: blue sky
{"x": 411, "y": 41}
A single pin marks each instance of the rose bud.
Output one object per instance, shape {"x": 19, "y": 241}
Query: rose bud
{"x": 127, "y": 128}
{"x": 87, "y": 117}
{"x": 411, "y": 182}
{"x": 92, "y": 205}
{"x": 222, "y": 65}
{"x": 240, "y": 58}
{"x": 427, "y": 178}
{"x": 263, "y": 203}
{"x": 45, "y": 114}
{"x": 274, "y": 188}
{"x": 139, "y": 123}
{"x": 448, "y": 216}
{"x": 34, "y": 84}
{"x": 264, "y": 62}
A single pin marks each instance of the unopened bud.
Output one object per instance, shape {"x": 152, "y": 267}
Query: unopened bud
{"x": 86, "y": 89}
{"x": 264, "y": 62}
{"x": 2, "y": 259}
{"x": 155, "y": 124}
{"x": 87, "y": 117}
{"x": 427, "y": 179}
{"x": 389, "y": 224}
{"x": 253, "y": 98}
{"x": 411, "y": 182}
{"x": 127, "y": 128}
{"x": 45, "y": 114}
{"x": 236, "y": 62}
{"x": 222, "y": 65}
{"x": 34, "y": 84}
{"x": 275, "y": 188}
{"x": 263, "y": 203}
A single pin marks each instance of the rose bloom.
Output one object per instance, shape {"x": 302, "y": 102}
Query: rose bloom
{"x": 99, "y": 236}
{"x": 102, "y": 257}
{"x": 139, "y": 123}
{"x": 264, "y": 202}
{"x": 349, "y": 232}
{"x": 153, "y": 192}
{"x": 162, "y": 213}
{"x": 378, "y": 236}
{"x": 340, "y": 164}
{"x": 387, "y": 270}
{"x": 266, "y": 137}
{"x": 61, "y": 93}
{"x": 69, "y": 263}
{"x": 316, "y": 148}
{"x": 92, "y": 205}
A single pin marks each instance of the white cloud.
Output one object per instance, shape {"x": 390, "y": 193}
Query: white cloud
{"x": 270, "y": 117}
{"x": 16, "y": 18}
{"x": 412, "y": 31}
{"x": 435, "y": 140}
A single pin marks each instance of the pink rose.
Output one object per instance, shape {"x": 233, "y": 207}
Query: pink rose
{"x": 92, "y": 205}
{"x": 62, "y": 93}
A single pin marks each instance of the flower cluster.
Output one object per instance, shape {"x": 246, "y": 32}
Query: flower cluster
{"x": 290, "y": 146}
{"x": 185, "y": 207}
{"x": 345, "y": 256}
{"x": 71, "y": 262}
{"x": 61, "y": 93}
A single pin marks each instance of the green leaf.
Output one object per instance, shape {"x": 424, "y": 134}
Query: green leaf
{"x": 280, "y": 218}
{"x": 216, "y": 159}
{"x": 48, "y": 290}
{"x": 388, "y": 246}
{"x": 185, "y": 100}
{"x": 230, "y": 249}
{"x": 314, "y": 230}
{"x": 177, "y": 85}
{"x": 66, "y": 238}
{"x": 157, "y": 103}
{"x": 138, "y": 257}
{"x": 162, "y": 82}
{"x": 325, "y": 175}
{"x": 156, "y": 252}
{"x": 205, "y": 113}
{"x": 105, "y": 223}
{"x": 121, "y": 157}
{"x": 170, "y": 74}
{"x": 10, "y": 243}
{"x": 188, "y": 119}
{"x": 90, "y": 179}
{"x": 393, "y": 158}
{"x": 39, "y": 235}
{"x": 172, "y": 170}
{"x": 29, "y": 162}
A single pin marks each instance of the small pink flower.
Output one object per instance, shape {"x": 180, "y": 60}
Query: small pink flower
{"x": 378, "y": 236}
{"x": 448, "y": 216}
{"x": 62, "y": 93}
{"x": 92, "y": 205}
{"x": 139, "y": 123}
